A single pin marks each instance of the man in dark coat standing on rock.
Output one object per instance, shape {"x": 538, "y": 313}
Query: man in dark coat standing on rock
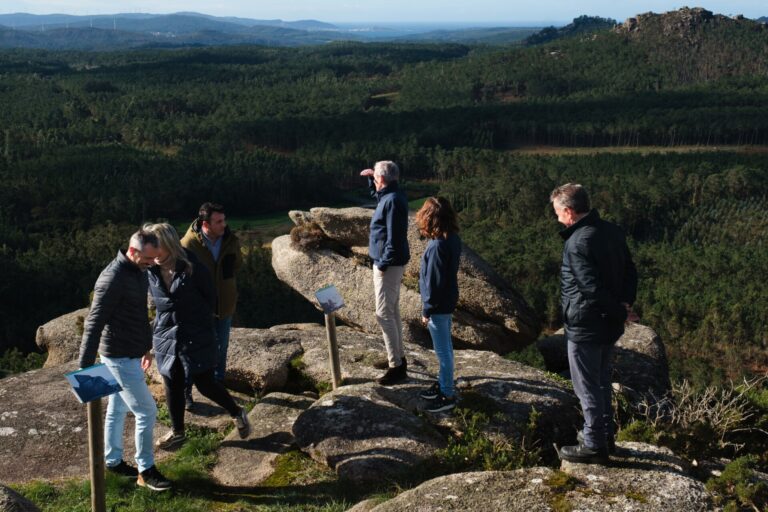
{"x": 388, "y": 248}
{"x": 218, "y": 248}
{"x": 598, "y": 284}
{"x": 118, "y": 327}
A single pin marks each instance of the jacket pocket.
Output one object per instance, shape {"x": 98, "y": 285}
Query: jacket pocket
{"x": 228, "y": 266}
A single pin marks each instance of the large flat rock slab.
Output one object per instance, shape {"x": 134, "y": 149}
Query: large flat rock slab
{"x": 648, "y": 482}
{"x": 44, "y": 429}
{"x": 507, "y": 386}
{"x": 364, "y": 437}
{"x": 248, "y": 462}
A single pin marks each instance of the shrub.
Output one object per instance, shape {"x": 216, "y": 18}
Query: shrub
{"x": 13, "y": 361}
{"x": 706, "y": 423}
{"x": 478, "y": 447}
{"x": 307, "y": 237}
{"x": 738, "y": 486}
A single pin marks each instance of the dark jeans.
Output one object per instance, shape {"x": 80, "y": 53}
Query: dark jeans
{"x": 206, "y": 384}
{"x": 591, "y": 369}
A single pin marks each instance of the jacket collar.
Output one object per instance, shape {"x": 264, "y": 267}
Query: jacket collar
{"x": 589, "y": 219}
{"x": 390, "y": 188}
{"x": 123, "y": 261}
{"x": 197, "y": 229}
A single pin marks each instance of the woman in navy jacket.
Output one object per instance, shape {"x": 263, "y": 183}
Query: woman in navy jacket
{"x": 439, "y": 288}
{"x": 183, "y": 340}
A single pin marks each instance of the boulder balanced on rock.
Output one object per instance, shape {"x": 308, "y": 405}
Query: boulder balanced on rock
{"x": 490, "y": 316}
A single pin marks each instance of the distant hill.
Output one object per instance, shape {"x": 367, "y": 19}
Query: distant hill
{"x": 695, "y": 45}
{"x": 493, "y": 35}
{"x": 580, "y": 25}
{"x": 763, "y": 19}
{"x": 123, "y": 31}
{"x": 61, "y": 31}
{"x": 96, "y": 39}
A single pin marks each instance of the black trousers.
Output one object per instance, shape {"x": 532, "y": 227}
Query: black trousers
{"x": 206, "y": 384}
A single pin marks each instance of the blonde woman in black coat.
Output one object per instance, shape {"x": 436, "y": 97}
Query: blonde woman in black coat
{"x": 183, "y": 338}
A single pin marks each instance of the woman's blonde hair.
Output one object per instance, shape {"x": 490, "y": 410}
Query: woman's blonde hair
{"x": 436, "y": 219}
{"x": 169, "y": 240}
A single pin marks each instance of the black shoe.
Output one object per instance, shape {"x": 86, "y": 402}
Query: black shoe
{"x": 584, "y": 455}
{"x": 611, "y": 442}
{"x": 431, "y": 393}
{"x": 151, "y": 478}
{"x": 171, "y": 441}
{"x": 442, "y": 403}
{"x": 123, "y": 469}
{"x": 394, "y": 375}
{"x": 189, "y": 404}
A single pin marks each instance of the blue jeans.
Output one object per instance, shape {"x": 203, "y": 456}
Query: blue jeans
{"x": 440, "y": 329}
{"x": 591, "y": 369}
{"x": 134, "y": 397}
{"x": 222, "y": 327}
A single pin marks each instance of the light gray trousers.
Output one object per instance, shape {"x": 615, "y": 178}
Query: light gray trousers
{"x": 386, "y": 288}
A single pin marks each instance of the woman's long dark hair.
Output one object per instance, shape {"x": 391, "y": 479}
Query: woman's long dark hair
{"x": 436, "y": 219}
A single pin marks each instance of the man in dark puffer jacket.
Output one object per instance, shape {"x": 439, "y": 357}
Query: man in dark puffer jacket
{"x": 118, "y": 326}
{"x": 598, "y": 282}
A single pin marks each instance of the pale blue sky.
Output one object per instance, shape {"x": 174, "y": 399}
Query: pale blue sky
{"x": 501, "y": 11}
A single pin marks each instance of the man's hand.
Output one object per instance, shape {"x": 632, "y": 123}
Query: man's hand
{"x": 631, "y": 315}
{"x": 424, "y": 320}
{"x": 146, "y": 361}
{"x": 366, "y": 172}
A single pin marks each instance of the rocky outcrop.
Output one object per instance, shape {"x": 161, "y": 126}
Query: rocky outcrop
{"x": 502, "y": 385}
{"x": 258, "y": 359}
{"x": 646, "y": 479}
{"x": 44, "y": 429}
{"x": 490, "y": 315}
{"x": 247, "y": 462}
{"x": 61, "y": 337}
{"x": 640, "y": 363}
{"x": 348, "y": 226}
{"x": 363, "y": 436}
{"x": 11, "y": 501}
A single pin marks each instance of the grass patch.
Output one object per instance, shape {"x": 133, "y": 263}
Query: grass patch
{"x": 295, "y": 468}
{"x": 188, "y": 469}
{"x": 478, "y": 447}
{"x": 560, "y": 484}
{"x": 636, "y": 496}
{"x": 299, "y": 381}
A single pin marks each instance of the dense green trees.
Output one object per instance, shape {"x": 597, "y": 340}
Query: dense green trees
{"x": 93, "y": 144}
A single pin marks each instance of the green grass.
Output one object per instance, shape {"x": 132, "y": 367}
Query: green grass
{"x": 299, "y": 485}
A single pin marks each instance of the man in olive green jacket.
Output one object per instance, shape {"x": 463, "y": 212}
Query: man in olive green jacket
{"x": 218, "y": 248}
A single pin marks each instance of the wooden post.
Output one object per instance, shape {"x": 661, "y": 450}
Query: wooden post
{"x": 333, "y": 349}
{"x": 96, "y": 452}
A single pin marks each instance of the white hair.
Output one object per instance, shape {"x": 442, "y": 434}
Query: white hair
{"x": 388, "y": 170}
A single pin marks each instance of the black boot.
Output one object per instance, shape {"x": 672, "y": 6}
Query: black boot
{"x": 611, "y": 442}
{"x": 394, "y": 374}
{"x": 584, "y": 455}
